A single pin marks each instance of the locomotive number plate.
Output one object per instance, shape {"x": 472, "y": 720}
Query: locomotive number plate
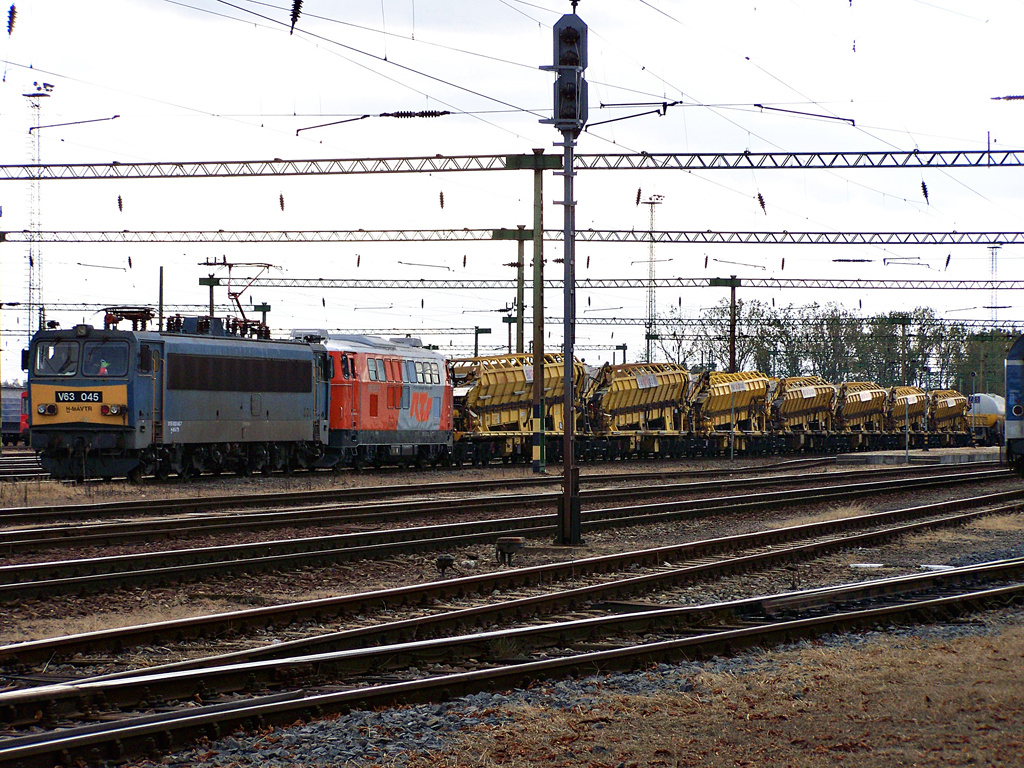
{"x": 78, "y": 396}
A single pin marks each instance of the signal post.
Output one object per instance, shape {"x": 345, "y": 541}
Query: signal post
{"x": 570, "y": 115}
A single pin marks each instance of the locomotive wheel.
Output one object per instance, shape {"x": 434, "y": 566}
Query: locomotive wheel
{"x": 135, "y": 474}
{"x": 162, "y": 472}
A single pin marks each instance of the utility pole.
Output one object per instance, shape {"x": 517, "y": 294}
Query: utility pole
{"x": 570, "y": 115}
{"x": 538, "y": 162}
{"x": 732, "y": 282}
{"x": 210, "y": 281}
{"x": 994, "y": 268}
{"x": 520, "y": 234}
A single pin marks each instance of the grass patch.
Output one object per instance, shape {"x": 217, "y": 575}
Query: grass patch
{"x": 894, "y": 701}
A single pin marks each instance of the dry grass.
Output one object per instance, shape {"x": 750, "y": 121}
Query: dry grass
{"x": 830, "y": 513}
{"x": 896, "y": 701}
{"x": 57, "y": 626}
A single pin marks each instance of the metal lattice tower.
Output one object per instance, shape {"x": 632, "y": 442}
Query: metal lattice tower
{"x": 994, "y": 252}
{"x": 35, "y": 257}
{"x": 652, "y": 304}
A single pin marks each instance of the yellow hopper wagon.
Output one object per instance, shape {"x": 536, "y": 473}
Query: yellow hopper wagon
{"x": 947, "y": 418}
{"x": 861, "y": 408}
{"x": 728, "y": 410}
{"x": 803, "y": 409}
{"x": 637, "y": 409}
{"x": 494, "y": 406}
{"x": 907, "y": 411}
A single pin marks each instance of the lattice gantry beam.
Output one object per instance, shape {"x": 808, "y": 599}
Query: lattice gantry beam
{"x": 451, "y": 235}
{"x": 441, "y": 164}
{"x": 620, "y": 283}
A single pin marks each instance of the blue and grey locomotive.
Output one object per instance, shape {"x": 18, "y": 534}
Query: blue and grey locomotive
{"x": 195, "y": 398}
{"x": 1014, "y": 427}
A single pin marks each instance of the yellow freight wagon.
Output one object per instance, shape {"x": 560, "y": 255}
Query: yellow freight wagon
{"x": 726, "y": 401}
{"x": 494, "y": 403}
{"x": 947, "y": 411}
{"x": 802, "y": 403}
{"x": 640, "y": 402}
{"x": 861, "y": 406}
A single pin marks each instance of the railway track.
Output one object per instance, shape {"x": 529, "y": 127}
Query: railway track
{"x": 347, "y": 511}
{"x": 52, "y": 717}
{"x": 21, "y": 465}
{"x": 646, "y": 570}
{"x": 68, "y": 513}
{"x": 18, "y": 582}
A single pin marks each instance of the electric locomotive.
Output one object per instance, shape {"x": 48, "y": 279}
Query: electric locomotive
{"x": 1014, "y": 426}
{"x": 202, "y": 396}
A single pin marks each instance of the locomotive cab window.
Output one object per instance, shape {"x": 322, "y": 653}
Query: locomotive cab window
{"x": 347, "y": 368}
{"x": 105, "y": 358}
{"x": 381, "y": 373}
{"x": 419, "y": 373}
{"x": 371, "y": 369}
{"x": 56, "y": 358}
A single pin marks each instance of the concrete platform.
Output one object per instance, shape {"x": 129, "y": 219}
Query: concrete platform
{"x": 918, "y": 456}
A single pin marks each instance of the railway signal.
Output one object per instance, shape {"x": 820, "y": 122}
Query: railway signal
{"x": 569, "y": 117}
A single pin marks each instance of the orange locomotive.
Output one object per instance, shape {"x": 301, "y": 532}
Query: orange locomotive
{"x": 390, "y": 401}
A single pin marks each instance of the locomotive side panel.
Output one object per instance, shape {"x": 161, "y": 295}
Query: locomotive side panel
{"x": 223, "y": 392}
{"x": 1014, "y": 426}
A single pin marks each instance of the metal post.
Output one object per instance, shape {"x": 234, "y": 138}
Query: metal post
{"x": 160, "y": 314}
{"x": 539, "y": 458}
{"x": 732, "y": 324}
{"x": 520, "y": 291}
{"x": 210, "y": 281}
{"x": 906, "y": 427}
{"x": 732, "y": 422}
{"x": 570, "y": 529}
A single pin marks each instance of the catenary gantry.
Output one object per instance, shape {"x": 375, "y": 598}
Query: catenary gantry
{"x": 699, "y": 161}
{"x": 699, "y": 237}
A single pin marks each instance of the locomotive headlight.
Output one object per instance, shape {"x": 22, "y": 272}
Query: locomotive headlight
{"x": 111, "y": 410}
{"x": 105, "y": 410}
{"x": 51, "y": 410}
{"x": 41, "y": 410}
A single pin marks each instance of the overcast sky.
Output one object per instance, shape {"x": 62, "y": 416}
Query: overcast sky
{"x": 205, "y": 80}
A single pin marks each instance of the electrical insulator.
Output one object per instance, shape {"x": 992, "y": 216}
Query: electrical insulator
{"x": 12, "y": 14}
{"x": 924, "y": 191}
{"x": 296, "y": 10}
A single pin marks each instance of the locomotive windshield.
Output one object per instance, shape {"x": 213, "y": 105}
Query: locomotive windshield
{"x": 56, "y": 358}
{"x": 105, "y": 358}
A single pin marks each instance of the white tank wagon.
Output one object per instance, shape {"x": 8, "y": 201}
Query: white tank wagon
{"x": 986, "y": 418}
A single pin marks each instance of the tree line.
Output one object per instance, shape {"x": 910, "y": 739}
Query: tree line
{"x": 912, "y": 347}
